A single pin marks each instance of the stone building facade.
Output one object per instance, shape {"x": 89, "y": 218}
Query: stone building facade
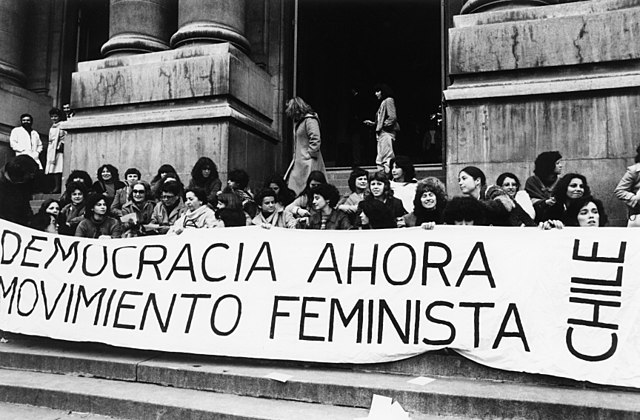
{"x": 173, "y": 80}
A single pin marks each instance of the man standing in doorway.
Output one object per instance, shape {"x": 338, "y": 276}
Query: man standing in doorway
{"x": 386, "y": 125}
{"x": 24, "y": 140}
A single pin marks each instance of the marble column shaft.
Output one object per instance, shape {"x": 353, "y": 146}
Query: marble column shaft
{"x": 211, "y": 21}
{"x": 139, "y": 26}
{"x": 13, "y": 32}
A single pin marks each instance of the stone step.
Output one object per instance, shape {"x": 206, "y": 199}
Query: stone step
{"x": 148, "y": 401}
{"x": 310, "y": 384}
{"x": 29, "y": 412}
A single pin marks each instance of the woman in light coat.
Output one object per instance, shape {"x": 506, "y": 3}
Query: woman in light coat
{"x": 628, "y": 191}
{"x": 306, "y": 156}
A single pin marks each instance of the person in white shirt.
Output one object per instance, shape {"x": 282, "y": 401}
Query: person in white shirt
{"x": 24, "y": 140}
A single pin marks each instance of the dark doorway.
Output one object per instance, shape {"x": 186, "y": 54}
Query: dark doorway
{"x": 347, "y": 45}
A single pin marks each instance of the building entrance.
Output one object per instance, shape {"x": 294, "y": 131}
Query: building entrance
{"x": 345, "y": 47}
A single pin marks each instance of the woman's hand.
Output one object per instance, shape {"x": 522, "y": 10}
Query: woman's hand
{"x": 428, "y": 225}
{"x": 551, "y": 224}
{"x": 368, "y": 123}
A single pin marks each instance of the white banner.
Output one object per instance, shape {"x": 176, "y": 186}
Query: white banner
{"x": 562, "y": 302}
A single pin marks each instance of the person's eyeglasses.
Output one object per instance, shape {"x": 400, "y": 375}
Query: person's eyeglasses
{"x": 168, "y": 197}
{"x": 139, "y": 192}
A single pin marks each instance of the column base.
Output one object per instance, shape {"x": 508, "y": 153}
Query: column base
{"x": 207, "y": 33}
{"x": 479, "y": 6}
{"x": 128, "y": 44}
{"x": 11, "y": 74}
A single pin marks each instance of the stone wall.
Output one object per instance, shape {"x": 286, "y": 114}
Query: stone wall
{"x": 559, "y": 77}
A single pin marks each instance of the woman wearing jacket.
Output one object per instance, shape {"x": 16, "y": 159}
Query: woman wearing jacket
{"x": 386, "y": 126}
{"x": 97, "y": 222}
{"x": 198, "y": 214}
{"x": 628, "y": 191}
{"x": 306, "y": 156}
{"x": 566, "y": 193}
{"x": 141, "y": 204}
{"x": 108, "y": 183}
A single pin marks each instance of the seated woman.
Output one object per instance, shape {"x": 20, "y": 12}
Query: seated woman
{"x": 73, "y": 213}
{"x": 302, "y": 207}
{"x": 230, "y": 212}
{"x": 325, "y": 198}
{"x": 131, "y": 176}
{"x": 568, "y": 189}
{"x": 403, "y": 182}
{"x": 141, "y": 205}
{"x": 163, "y": 172}
{"x": 373, "y": 214}
{"x": 499, "y": 208}
{"x": 586, "y": 211}
{"x": 358, "y": 184}
{"x": 284, "y": 194}
{"x": 428, "y": 204}
{"x": 205, "y": 175}
{"x": 380, "y": 188}
{"x": 198, "y": 214}
{"x": 77, "y": 175}
{"x": 108, "y": 182}
{"x": 46, "y": 219}
{"x": 465, "y": 211}
{"x": 270, "y": 212}
{"x": 168, "y": 210}
{"x": 510, "y": 184}
{"x": 539, "y": 186}
{"x": 97, "y": 223}
{"x": 238, "y": 183}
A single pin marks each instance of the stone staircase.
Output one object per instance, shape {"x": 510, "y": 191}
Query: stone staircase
{"x": 130, "y": 384}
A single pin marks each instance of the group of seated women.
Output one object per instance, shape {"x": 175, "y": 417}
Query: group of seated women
{"x": 113, "y": 208}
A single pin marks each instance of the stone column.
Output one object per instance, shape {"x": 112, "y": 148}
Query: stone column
{"x": 139, "y": 26}
{"x": 13, "y": 31}
{"x": 478, "y": 6}
{"x": 209, "y": 22}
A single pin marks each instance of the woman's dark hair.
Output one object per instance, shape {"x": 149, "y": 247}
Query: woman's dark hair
{"x": 317, "y": 176}
{"x": 114, "y": 173}
{"x": 56, "y": 111}
{"x": 285, "y": 195}
{"x": 173, "y": 187}
{"x": 147, "y": 190}
{"x": 560, "y": 189}
{"x": 297, "y": 108}
{"x": 91, "y": 201}
{"x": 75, "y": 186}
{"x": 434, "y": 185}
{"x": 382, "y": 177}
{"x": 200, "y": 194}
{"x": 46, "y": 204}
{"x": 574, "y": 209}
{"x": 475, "y": 173}
{"x": 266, "y": 192}
{"x": 380, "y": 215}
{"x": 78, "y": 173}
{"x": 132, "y": 171}
{"x": 230, "y": 200}
{"x": 328, "y": 192}
{"x": 545, "y": 166}
{"x": 164, "y": 169}
{"x": 386, "y": 91}
{"x": 637, "y": 154}
{"x": 404, "y": 163}
{"x": 356, "y": 173}
{"x": 240, "y": 177}
{"x": 201, "y": 164}
{"x": 506, "y": 175}
{"x": 464, "y": 208}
